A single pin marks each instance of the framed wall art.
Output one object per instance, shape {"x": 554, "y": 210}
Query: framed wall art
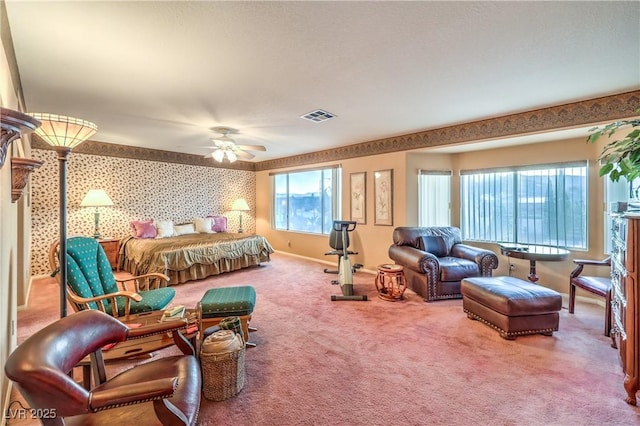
{"x": 358, "y": 185}
{"x": 383, "y": 194}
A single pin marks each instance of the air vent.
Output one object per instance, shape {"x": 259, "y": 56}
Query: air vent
{"x": 318, "y": 116}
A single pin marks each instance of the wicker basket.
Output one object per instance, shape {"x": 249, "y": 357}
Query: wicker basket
{"x": 222, "y": 373}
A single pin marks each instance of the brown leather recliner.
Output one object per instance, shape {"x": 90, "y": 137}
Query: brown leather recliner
{"x": 435, "y": 260}
{"x": 165, "y": 390}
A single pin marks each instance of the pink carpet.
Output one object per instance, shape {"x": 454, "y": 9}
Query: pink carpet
{"x": 320, "y": 362}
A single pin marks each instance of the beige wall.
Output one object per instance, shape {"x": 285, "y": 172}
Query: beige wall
{"x": 372, "y": 242}
{"x": 369, "y": 240}
{"x": 14, "y": 220}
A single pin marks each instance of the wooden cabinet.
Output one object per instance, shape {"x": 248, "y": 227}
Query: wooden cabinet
{"x": 111, "y": 247}
{"x": 625, "y": 279}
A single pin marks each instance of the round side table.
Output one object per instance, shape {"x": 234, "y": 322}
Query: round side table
{"x": 390, "y": 282}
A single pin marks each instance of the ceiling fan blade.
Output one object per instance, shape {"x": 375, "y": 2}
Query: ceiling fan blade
{"x": 252, "y": 147}
{"x": 244, "y": 155}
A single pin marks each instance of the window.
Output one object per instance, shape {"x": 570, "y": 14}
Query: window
{"x": 434, "y": 198}
{"x": 544, "y": 205}
{"x": 307, "y": 200}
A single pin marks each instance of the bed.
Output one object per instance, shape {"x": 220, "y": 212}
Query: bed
{"x": 193, "y": 256}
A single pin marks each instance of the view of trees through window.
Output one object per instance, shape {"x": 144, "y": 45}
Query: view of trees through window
{"x": 546, "y": 206}
{"x": 306, "y": 201}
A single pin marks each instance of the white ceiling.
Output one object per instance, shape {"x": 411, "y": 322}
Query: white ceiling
{"x": 161, "y": 74}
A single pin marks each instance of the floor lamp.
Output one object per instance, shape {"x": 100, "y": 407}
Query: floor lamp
{"x": 64, "y": 134}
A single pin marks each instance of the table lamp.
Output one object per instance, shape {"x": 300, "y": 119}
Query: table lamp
{"x": 96, "y": 198}
{"x": 240, "y": 205}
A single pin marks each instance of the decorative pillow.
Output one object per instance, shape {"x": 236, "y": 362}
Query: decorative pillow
{"x": 435, "y": 244}
{"x": 164, "y": 228}
{"x": 184, "y": 229}
{"x": 143, "y": 228}
{"x": 219, "y": 223}
{"x": 204, "y": 225}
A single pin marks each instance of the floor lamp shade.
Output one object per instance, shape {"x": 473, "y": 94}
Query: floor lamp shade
{"x": 96, "y": 198}
{"x": 63, "y": 133}
{"x": 240, "y": 205}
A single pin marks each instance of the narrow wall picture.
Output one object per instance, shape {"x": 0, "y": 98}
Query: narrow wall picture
{"x": 383, "y": 194}
{"x": 359, "y": 197}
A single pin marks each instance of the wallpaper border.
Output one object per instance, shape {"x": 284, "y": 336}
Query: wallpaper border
{"x": 591, "y": 111}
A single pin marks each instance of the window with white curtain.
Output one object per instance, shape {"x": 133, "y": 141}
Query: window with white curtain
{"x": 543, "y": 204}
{"x": 434, "y": 198}
{"x": 306, "y": 200}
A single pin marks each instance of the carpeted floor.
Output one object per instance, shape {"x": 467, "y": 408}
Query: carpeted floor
{"x": 320, "y": 362}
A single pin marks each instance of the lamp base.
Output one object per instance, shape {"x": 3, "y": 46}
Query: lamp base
{"x": 96, "y": 232}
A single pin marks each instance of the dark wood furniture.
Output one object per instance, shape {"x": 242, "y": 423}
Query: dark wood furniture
{"x": 111, "y": 246}
{"x": 599, "y": 286}
{"x": 625, "y": 279}
{"x": 533, "y": 253}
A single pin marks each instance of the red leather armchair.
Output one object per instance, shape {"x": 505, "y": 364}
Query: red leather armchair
{"x": 165, "y": 390}
{"x": 435, "y": 260}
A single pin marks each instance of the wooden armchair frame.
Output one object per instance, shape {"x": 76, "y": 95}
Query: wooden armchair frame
{"x": 139, "y": 284}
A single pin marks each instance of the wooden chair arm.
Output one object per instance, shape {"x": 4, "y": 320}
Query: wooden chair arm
{"x": 145, "y": 282}
{"x": 100, "y": 301}
{"x": 603, "y": 262}
{"x": 581, "y": 263}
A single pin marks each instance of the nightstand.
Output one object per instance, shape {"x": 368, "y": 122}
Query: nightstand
{"x": 111, "y": 247}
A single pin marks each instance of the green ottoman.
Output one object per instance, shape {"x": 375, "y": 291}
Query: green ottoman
{"x": 219, "y": 303}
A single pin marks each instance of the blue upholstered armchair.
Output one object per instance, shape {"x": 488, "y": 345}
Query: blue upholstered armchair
{"x": 91, "y": 283}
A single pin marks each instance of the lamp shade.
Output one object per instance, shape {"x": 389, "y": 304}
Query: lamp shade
{"x": 240, "y": 205}
{"x": 96, "y": 198}
{"x": 60, "y": 130}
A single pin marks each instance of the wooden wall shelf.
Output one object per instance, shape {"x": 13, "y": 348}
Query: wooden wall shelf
{"x": 20, "y": 170}
{"x": 13, "y": 124}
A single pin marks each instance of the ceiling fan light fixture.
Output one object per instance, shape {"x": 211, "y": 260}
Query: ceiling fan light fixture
{"x": 231, "y": 156}
{"x": 218, "y": 155}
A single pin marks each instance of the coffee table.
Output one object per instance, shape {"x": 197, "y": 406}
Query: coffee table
{"x": 534, "y": 253}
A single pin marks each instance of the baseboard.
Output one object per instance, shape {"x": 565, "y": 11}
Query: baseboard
{"x": 31, "y": 279}
{"x": 325, "y": 262}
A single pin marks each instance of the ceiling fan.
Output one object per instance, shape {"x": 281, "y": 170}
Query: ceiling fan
{"x": 225, "y": 147}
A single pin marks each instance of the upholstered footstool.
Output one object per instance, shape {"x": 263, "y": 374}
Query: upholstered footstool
{"x": 219, "y": 303}
{"x": 512, "y": 306}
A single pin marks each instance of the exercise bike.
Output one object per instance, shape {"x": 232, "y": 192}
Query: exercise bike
{"x": 339, "y": 241}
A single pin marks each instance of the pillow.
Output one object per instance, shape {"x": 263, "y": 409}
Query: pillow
{"x": 143, "y": 228}
{"x": 184, "y": 229}
{"x": 435, "y": 244}
{"x": 219, "y": 223}
{"x": 164, "y": 228}
{"x": 203, "y": 225}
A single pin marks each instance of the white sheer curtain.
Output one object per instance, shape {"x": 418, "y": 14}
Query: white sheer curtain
{"x": 434, "y": 198}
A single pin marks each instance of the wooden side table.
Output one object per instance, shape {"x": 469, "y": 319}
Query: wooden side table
{"x": 111, "y": 246}
{"x": 390, "y": 282}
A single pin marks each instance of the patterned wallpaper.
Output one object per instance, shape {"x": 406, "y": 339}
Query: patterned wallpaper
{"x": 140, "y": 189}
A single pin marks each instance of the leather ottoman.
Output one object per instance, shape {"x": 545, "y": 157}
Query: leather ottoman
{"x": 511, "y": 306}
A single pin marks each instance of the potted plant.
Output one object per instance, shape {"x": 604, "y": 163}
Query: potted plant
{"x": 620, "y": 157}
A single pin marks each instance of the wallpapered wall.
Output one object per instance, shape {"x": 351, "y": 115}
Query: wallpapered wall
{"x": 139, "y": 190}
